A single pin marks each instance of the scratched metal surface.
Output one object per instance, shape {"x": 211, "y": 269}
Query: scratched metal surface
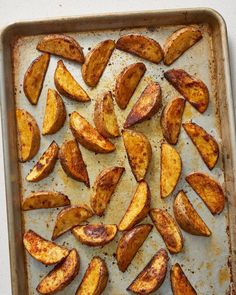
{"x": 204, "y": 260}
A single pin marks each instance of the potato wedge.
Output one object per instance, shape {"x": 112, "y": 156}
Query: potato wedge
{"x": 141, "y": 46}
{"x": 127, "y": 82}
{"x": 95, "y": 235}
{"x": 204, "y": 142}
{"x": 28, "y": 135}
{"x": 209, "y": 190}
{"x": 44, "y": 200}
{"x": 67, "y": 85}
{"x": 171, "y": 119}
{"x": 171, "y": 167}
{"x": 70, "y": 217}
{"x": 188, "y": 218}
{"x": 179, "y": 282}
{"x": 95, "y": 279}
{"x": 105, "y": 117}
{"x": 146, "y": 106}
{"x": 129, "y": 244}
{"x": 192, "y": 89}
{"x": 72, "y": 161}
{"x": 62, "y": 45}
{"x": 96, "y": 61}
{"x": 168, "y": 229}
{"x": 55, "y": 113}
{"x": 152, "y": 276}
{"x": 138, "y": 207}
{"x": 139, "y": 151}
{"x": 104, "y": 186}
{"x": 88, "y": 136}
{"x": 61, "y": 275}
{"x": 180, "y": 41}
{"x": 34, "y": 77}
{"x": 42, "y": 250}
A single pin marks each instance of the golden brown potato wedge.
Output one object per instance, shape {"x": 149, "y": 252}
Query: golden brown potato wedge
{"x": 204, "y": 142}
{"x": 139, "y": 151}
{"x": 192, "y": 89}
{"x": 129, "y": 244}
{"x": 44, "y": 200}
{"x": 34, "y": 77}
{"x": 61, "y": 275}
{"x": 69, "y": 218}
{"x": 171, "y": 167}
{"x": 105, "y": 117}
{"x": 62, "y": 45}
{"x": 152, "y": 276}
{"x": 95, "y": 235}
{"x": 127, "y": 82}
{"x": 88, "y": 136}
{"x": 67, "y": 85}
{"x": 209, "y": 190}
{"x": 179, "y": 282}
{"x": 95, "y": 279}
{"x": 138, "y": 207}
{"x": 28, "y": 135}
{"x": 55, "y": 113}
{"x": 104, "y": 186}
{"x": 96, "y": 61}
{"x": 168, "y": 229}
{"x": 45, "y": 164}
{"x": 188, "y": 218}
{"x": 42, "y": 250}
{"x": 72, "y": 161}
{"x": 180, "y": 41}
{"x": 141, "y": 46}
{"x": 146, "y": 106}
{"x": 171, "y": 119}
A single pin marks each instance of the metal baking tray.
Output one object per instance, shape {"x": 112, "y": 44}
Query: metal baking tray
{"x": 209, "y": 263}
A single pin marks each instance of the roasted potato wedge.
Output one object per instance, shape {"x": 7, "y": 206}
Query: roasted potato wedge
{"x": 168, "y": 229}
{"x": 88, "y": 136}
{"x": 55, "y": 113}
{"x": 141, "y": 46}
{"x": 34, "y": 77}
{"x": 62, "y": 45}
{"x": 171, "y": 119}
{"x": 44, "y": 200}
{"x": 139, "y": 151}
{"x": 69, "y": 218}
{"x": 192, "y": 89}
{"x": 104, "y": 186}
{"x": 96, "y": 61}
{"x": 42, "y": 250}
{"x": 146, "y": 106}
{"x": 209, "y": 190}
{"x": 204, "y": 142}
{"x": 28, "y": 135}
{"x": 72, "y": 161}
{"x": 105, "y": 117}
{"x": 152, "y": 276}
{"x": 138, "y": 207}
{"x": 45, "y": 164}
{"x": 127, "y": 82}
{"x": 180, "y": 41}
{"x": 61, "y": 275}
{"x": 95, "y": 279}
{"x": 129, "y": 244}
{"x": 188, "y": 218}
{"x": 95, "y": 235}
{"x": 179, "y": 282}
{"x": 67, "y": 85}
{"x": 171, "y": 167}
